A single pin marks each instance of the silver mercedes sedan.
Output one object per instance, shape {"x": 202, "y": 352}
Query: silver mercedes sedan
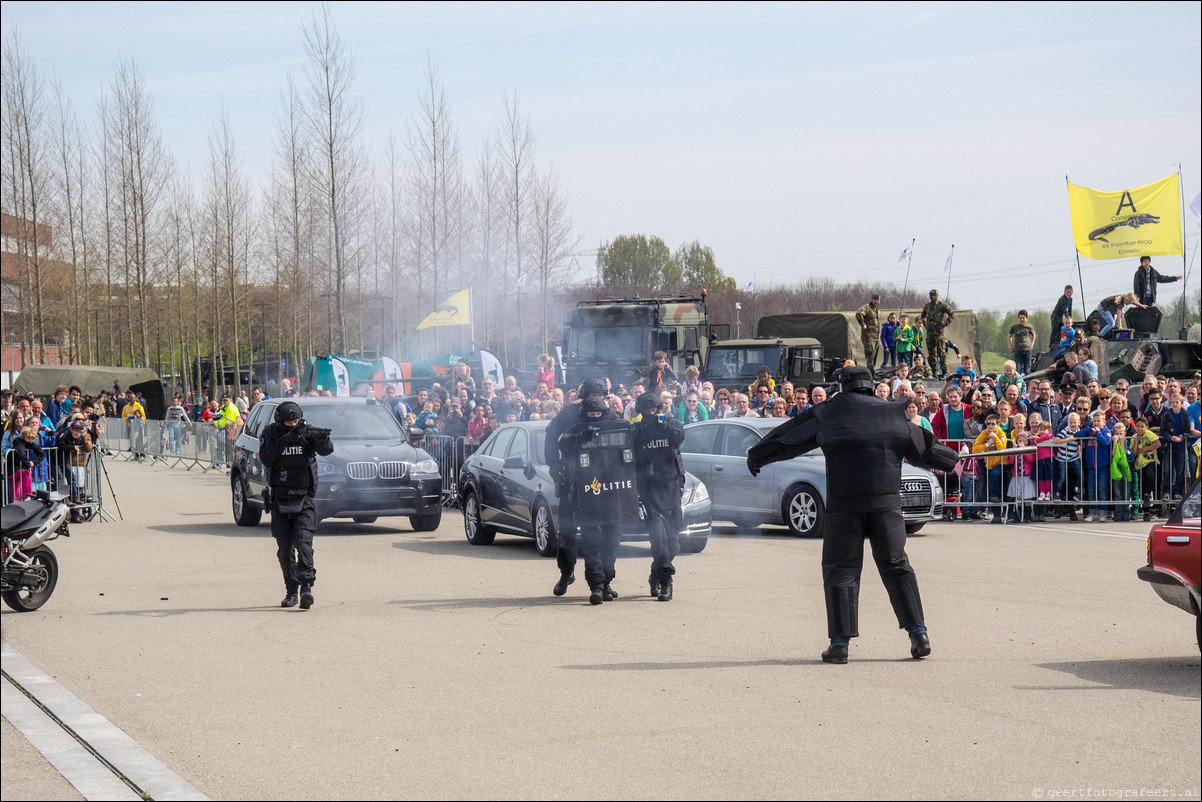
{"x": 792, "y": 492}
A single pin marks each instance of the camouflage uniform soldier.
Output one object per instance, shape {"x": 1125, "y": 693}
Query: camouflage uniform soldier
{"x": 869, "y": 318}
{"x": 937, "y": 316}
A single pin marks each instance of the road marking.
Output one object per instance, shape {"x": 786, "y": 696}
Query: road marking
{"x": 93, "y": 735}
{"x": 1079, "y": 530}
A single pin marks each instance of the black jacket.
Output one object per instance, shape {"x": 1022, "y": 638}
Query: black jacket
{"x": 1145, "y": 284}
{"x": 289, "y": 454}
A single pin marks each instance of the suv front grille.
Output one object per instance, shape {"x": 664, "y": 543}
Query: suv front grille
{"x": 373, "y": 470}
{"x": 361, "y": 470}
{"x": 394, "y": 470}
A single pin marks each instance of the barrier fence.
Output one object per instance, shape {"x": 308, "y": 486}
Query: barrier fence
{"x": 1033, "y": 483}
{"x": 79, "y": 475}
{"x": 206, "y": 447}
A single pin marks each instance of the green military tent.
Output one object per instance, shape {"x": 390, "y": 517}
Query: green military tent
{"x": 92, "y": 379}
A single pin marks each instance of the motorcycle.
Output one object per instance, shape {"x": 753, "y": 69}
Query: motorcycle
{"x": 30, "y": 569}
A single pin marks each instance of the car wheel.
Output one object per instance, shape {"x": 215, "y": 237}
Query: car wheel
{"x": 364, "y": 519}
{"x": 693, "y": 545}
{"x": 426, "y": 523}
{"x": 546, "y": 542}
{"x": 477, "y": 533}
{"x": 803, "y": 511}
{"x": 914, "y": 528}
{"x": 245, "y": 513}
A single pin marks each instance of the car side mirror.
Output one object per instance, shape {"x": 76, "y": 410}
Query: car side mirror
{"x": 416, "y": 435}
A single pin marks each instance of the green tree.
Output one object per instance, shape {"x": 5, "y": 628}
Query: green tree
{"x": 698, "y": 268}
{"x": 638, "y": 259}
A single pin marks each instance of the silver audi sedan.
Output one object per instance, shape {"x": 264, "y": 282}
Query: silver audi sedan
{"x": 792, "y": 492}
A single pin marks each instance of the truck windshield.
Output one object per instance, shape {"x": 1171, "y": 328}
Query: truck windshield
{"x": 735, "y": 363}
{"x": 616, "y": 343}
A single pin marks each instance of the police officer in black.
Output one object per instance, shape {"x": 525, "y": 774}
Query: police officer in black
{"x": 657, "y": 439}
{"x": 288, "y": 450}
{"x": 569, "y": 416}
{"x": 864, "y": 439}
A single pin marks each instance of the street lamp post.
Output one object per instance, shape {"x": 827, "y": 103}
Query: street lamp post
{"x": 738, "y": 306}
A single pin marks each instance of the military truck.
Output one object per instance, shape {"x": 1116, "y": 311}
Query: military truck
{"x": 615, "y": 338}
{"x": 839, "y": 333}
{"x": 734, "y": 363}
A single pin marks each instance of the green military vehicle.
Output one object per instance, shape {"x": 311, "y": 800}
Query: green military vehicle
{"x": 734, "y": 363}
{"x": 1125, "y": 355}
{"x": 615, "y": 338}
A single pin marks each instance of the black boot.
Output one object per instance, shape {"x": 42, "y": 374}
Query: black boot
{"x": 653, "y": 580}
{"x": 597, "y": 596}
{"x": 608, "y": 593}
{"x": 836, "y": 653}
{"x": 306, "y": 597}
{"x": 561, "y": 587}
{"x": 920, "y": 645}
{"x": 665, "y": 589}
{"x": 290, "y": 599}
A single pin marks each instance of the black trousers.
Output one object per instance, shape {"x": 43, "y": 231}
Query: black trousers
{"x": 848, "y": 523}
{"x": 293, "y": 533}
{"x": 663, "y": 526}
{"x": 600, "y": 547}
{"x": 565, "y": 552}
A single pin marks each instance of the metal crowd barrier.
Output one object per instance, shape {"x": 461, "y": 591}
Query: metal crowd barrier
{"x": 1022, "y": 488}
{"x": 449, "y": 452}
{"x": 83, "y": 484}
{"x": 193, "y": 444}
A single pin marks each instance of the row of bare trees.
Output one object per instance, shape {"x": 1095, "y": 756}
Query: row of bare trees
{"x": 338, "y": 248}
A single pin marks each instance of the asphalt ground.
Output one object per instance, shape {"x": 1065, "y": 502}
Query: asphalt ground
{"x": 429, "y": 668}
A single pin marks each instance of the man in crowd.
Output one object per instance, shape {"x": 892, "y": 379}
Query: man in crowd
{"x": 869, "y": 318}
{"x": 1146, "y": 279}
{"x": 1021, "y": 341}
{"x": 936, "y": 316}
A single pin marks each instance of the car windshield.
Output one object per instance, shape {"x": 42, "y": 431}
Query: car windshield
{"x": 354, "y": 422}
{"x": 742, "y": 362}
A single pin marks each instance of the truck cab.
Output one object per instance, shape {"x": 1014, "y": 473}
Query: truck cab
{"x": 735, "y": 362}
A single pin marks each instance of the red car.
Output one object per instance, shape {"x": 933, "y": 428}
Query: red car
{"x": 1174, "y": 566}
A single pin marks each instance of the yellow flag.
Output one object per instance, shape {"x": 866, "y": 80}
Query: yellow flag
{"x": 454, "y": 311}
{"x": 1129, "y": 223}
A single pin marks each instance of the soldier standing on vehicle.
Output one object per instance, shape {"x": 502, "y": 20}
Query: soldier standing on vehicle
{"x": 937, "y": 316}
{"x": 869, "y": 318}
{"x": 657, "y": 439}
{"x": 864, "y": 440}
{"x": 288, "y": 451}
{"x": 569, "y": 416}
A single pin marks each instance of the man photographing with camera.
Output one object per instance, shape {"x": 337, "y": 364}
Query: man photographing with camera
{"x": 289, "y": 449}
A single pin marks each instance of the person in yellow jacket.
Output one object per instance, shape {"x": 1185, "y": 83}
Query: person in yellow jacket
{"x": 992, "y": 439}
{"x": 134, "y": 415}
{"x": 229, "y": 419}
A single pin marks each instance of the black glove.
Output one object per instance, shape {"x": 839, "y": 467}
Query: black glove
{"x": 753, "y": 467}
{"x": 589, "y": 433}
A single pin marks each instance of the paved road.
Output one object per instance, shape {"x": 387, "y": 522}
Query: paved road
{"x": 433, "y": 669}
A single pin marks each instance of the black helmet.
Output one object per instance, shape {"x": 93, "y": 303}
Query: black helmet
{"x": 855, "y": 380}
{"x": 593, "y": 404}
{"x": 647, "y": 402}
{"x": 593, "y": 387}
{"x": 289, "y": 410}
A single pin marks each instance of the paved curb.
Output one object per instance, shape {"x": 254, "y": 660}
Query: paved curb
{"x": 79, "y": 766}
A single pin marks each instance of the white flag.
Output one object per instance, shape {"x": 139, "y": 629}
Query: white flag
{"x": 1195, "y": 206}
{"x": 906, "y": 253}
{"x": 948, "y": 264}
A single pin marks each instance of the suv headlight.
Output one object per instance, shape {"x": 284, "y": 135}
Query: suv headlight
{"x": 700, "y": 493}
{"x": 428, "y": 465}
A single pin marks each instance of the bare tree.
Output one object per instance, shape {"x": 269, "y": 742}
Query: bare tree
{"x": 553, "y": 241}
{"x": 27, "y": 176}
{"x": 335, "y": 120}
{"x": 489, "y": 195}
{"x": 71, "y": 192}
{"x": 517, "y": 145}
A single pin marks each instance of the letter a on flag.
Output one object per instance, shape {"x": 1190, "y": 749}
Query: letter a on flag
{"x": 1128, "y": 223}
{"x": 454, "y": 311}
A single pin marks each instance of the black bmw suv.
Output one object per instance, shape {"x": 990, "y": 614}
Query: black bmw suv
{"x": 374, "y": 470}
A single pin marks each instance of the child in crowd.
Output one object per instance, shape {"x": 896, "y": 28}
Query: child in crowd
{"x": 546, "y": 371}
{"x": 906, "y": 334}
{"x": 1068, "y": 335}
{"x": 966, "y": 366}
{"x": 28, "y": 456}
{"x": 427, "y": 417}
{"x": 889, "y": 340}
{"x": 1009, "y": 377}
{"x": 1022, "y": 482}
{"x": 692, "y": 381}
{"x": 1068, "y": 462}
{"x": 1120, "y": 474}
{"x": 1096, "y": 442}
{"x": 1043, "y": 456}
{"x": 992, "y": 439}
{"x": 478, "y": 427}
{"x": 1145, "y": 446}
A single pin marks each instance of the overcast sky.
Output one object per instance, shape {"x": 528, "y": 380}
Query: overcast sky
{"x": 794, "y": 139}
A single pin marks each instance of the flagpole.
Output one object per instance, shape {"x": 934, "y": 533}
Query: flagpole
{"x": 948, "y": 294}
{"x": 1182, "y": 333}
{"x": 909, "y": 259}
{"x": 1076, "y": 252}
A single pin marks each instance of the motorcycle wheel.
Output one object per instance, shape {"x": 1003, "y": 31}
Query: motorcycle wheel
{"x": 25, "y": 600}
